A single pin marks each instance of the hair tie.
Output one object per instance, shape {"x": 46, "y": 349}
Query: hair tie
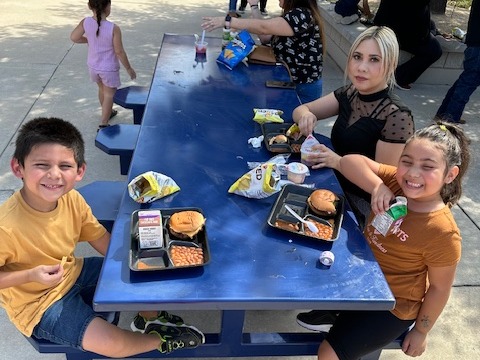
{"x": 443, "y": 127}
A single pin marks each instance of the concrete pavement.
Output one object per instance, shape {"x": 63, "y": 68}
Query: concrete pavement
{"x": 44, "y": 74}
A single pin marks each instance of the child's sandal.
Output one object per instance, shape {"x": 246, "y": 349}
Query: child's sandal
{"x": 102, "y": 126}
{"x": 113, "y": 114}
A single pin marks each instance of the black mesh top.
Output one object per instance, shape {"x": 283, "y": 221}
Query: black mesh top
{"x": 363, "y": 120}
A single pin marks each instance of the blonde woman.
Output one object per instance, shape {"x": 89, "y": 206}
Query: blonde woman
{"x": 371, "y": 120}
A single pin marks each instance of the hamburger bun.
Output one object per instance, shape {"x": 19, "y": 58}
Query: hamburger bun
{"x": 278, "y": 139}
{"x": 186, "y": 224}
{"x": 322, "y": 202}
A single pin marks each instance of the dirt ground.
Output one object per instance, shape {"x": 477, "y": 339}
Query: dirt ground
{"x": 454, "y": 17}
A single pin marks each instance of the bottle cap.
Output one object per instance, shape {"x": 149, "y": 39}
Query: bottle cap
{"x": 327, "y": 258}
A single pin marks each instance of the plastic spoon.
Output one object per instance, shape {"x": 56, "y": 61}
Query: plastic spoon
{"x": 203, "y": 37}
{"x": 309, "y": 224}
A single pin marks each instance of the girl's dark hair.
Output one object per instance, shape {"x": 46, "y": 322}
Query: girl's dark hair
{"x": 49, "y": 131}
{"x": 454, "y": 144}
{"x": 98, "y": 7}
{"x": 313, "y": 7}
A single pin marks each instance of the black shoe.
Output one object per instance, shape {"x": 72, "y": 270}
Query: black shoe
{"x": 139, "y": 323}
{"x": 176, "y": 337}
{"x": 317, "y": 320}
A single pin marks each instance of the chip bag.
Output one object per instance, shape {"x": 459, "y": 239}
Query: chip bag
{"x": 267, "y": 116}
{"x": 236, "y": 50}
{"x": 258, "y": 183}
{"x": 151, "y": 186}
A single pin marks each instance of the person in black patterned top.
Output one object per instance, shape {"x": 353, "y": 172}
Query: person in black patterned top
{"x": 371, "y": 120}
{"x": 296, "y": 38}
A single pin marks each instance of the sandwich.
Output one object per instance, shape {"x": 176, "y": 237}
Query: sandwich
{"x": 322, "y": 202}
{"x": 186, "y": 224}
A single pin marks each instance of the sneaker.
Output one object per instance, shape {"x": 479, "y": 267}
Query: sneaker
{"x": 139, "y": 323}
{"x": 264, "y": 12}
{"x": 176, "y": 337}
{"x": 317, "y": 320}
{"x": 241, "y": 10}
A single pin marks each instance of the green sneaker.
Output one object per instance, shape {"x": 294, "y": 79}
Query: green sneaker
{"x": 139, "y": 323}
{"x": 176, "y": 337}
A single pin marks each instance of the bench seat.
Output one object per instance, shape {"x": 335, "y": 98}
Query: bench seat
{"x": 119, "y": 139}
{"x": 104, "y": 199}
{"x": 133, "y": 97}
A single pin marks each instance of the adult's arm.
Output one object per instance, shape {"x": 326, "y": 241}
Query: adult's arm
{"x": 388, "y": 153}
{"x": 306, "y": 115}
{"x": 274, "y": 26}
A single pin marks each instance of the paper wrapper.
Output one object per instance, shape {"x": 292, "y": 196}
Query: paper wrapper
{"x": 258, "y": 183}
{"x": 151, "y": 186}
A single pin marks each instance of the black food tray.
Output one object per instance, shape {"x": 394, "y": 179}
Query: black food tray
{"x": 154, "y": 259}
{"x": 296, "y": 197}
{"x": 270, "y": 130}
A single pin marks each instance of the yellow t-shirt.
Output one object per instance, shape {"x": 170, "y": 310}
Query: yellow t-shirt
{"x": 29, "y": 238}
{"x": 422, "y": 240}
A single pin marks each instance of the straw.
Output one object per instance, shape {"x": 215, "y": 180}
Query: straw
{"x": 203, "y": 36}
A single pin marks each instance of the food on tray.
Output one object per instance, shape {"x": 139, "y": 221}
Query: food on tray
{"x": 322, "y": 202}
{"x": 278, "y": 139}
{"x": 186, "y": 224}
{"x": 287, "y": 225}
{"x": 143, "y": 266}
{"x": 324, "y": 231}
{"x": 186, "y": 255}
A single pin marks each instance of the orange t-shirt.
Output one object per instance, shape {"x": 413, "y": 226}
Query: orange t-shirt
{"x": 422, "y": 240}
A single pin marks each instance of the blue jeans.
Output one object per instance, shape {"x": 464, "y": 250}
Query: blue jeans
{"x": 309, "y": 92}
{"x": 459, "y": 94}
{"x": 232, "y": 5}
{"x": 66, "y": 320}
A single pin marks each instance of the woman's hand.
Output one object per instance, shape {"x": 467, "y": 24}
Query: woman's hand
{"x": 415, "y": 343}
{"x": 324, "y": 157}
{"x": 212, "y": 23}
{"x": 306, "y": 123}
{"x": 381, "y": 198}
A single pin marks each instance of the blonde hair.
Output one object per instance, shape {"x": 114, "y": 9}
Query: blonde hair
{"x": 388, "y": 45}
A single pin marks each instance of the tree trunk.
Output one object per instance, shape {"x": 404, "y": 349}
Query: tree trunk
{"x": 438, "y": 6}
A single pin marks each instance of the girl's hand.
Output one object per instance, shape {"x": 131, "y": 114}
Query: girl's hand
{"x": 132, "y": 73}
{"x": 253, "y": 2}
{"x": 324, "y": 158}
{"x": 307, "y": 123}
{"x": 49, "y": 275}
{"x": 381, "y": 198}
{"x": 415, "y": 343}
{"x": 212, "y": 23}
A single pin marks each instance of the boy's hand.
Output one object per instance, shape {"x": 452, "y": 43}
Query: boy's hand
{"x": 381, "y": 198}
{"x": 49, "y": 275}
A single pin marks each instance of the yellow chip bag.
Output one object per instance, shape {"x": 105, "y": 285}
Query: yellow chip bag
{"x": 267, "y": 115}
{"x": 258, "y": 183}
{"x": 151, "y": 186}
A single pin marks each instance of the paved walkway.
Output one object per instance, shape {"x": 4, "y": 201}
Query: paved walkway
{"x": 44, "y": 74}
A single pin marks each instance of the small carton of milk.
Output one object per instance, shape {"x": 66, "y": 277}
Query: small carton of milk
{"x": 150, "y": 229}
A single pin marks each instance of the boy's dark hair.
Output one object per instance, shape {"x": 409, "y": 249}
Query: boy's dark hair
{"x": 49, "y": 131}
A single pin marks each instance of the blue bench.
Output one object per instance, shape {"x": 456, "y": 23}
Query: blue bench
{"x": 133, "y": 97}
{"x": 119, "y": 139}
{"x": 104, "y": 199}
